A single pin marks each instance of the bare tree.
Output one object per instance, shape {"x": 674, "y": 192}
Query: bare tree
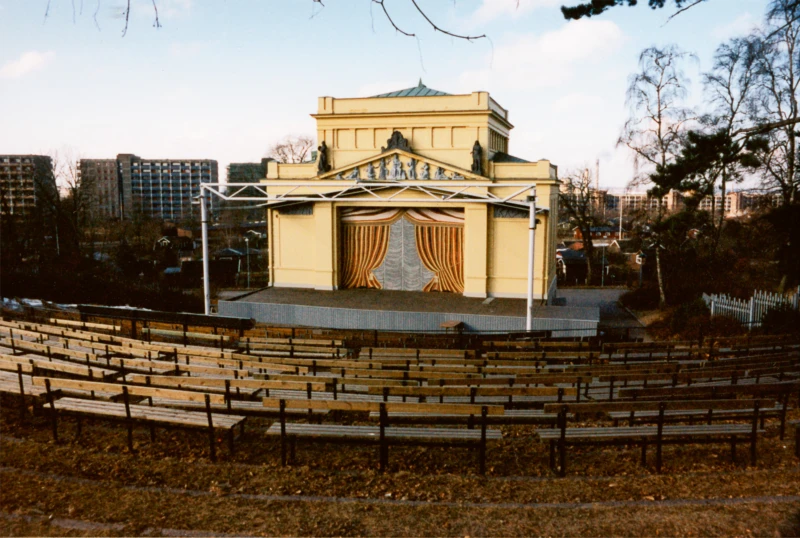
{"x": 657, "y": 122}
{"x": 580, "y": 202}
{"x": 292, "y": 149}
{"x": 778, "y": 84}
{"x": 729, "y": 88}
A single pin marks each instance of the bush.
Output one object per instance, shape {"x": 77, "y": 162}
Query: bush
{"x": 691, "y": 314}
{"x": 644, "y": 298}
{"x": 781, "y": 320}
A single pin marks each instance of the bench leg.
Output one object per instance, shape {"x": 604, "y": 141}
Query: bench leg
{"x": 658, "y": 457}
{"x": 283, "y": 450}
{"x": 753, "y": 451}
{"x": 230, "y": 441}
{"x": 383, "y": 456}
{"x": 130, "y": 436}
{"x": 562, "y": 458}
{"x": 78, "y": 428}
{"x": 552, "y": 456}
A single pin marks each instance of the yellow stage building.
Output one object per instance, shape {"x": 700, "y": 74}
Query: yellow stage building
{"x": 412, "y": 190}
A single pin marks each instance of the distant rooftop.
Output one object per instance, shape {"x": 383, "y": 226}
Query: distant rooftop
{"x": 420, "y": 90}
{"x": 501, "y": 157}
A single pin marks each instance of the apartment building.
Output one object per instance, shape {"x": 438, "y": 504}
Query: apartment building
{"x": 735, "y": 203}
{"x": 163, "y": 188}
{"x": 27, "y": 185}
{"x": 100, "y": 177}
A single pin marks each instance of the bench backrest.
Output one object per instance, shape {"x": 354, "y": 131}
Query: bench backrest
{"x": 391, "y": 407}
{"x": 607, "y": 407}
{"x": 134, "y": 390}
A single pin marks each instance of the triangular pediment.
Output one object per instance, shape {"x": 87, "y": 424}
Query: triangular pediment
{"x": 400, "y": 165}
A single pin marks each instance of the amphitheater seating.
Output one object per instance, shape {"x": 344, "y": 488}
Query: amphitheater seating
{"x": 660, "y": 434}
{"x": 385, "y": 435}
{"x": 653, "y": 393}
{"x": 132, "y": 413}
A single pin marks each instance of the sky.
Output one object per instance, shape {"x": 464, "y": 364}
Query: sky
{"x": 226, "y": 79}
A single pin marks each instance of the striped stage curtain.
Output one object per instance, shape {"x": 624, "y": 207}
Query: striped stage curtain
{"x": 441, "y": 249}
{"x": 366, "y": 246}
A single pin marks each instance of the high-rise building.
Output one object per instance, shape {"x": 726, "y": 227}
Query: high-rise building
{"x": 100, "y": 178}
{"x": 248, "y": 172}
{"x": 27, "y": 186}
{"x": 163, "y": 188}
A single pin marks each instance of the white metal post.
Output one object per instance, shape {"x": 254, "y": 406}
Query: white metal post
{"x": 206, "y": 279}
{"x": 531, "y": 250}
{"x": 247, "y": 243}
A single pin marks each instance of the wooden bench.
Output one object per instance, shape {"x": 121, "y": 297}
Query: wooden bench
{"x": 85, "y": 325}
{"x": 500, "y": 395}
{"x": 526, "y": 417}
{"x": 20, "y": 385}
{"x": 384, "y": 435}
{"x": 9, "y": 362}
{"x": 699, "y": 415}
{"x": 132, "y": 413}
{"x": 660, "y": 434}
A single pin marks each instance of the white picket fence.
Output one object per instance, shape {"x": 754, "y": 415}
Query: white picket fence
{"x": 750, "y": 312}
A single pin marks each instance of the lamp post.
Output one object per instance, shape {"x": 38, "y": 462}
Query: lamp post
{"x": 206, "y": 278}
{"x": 603, "y": 268}
{"x": 531, "y": 249}
{"x": 247, "y": 245}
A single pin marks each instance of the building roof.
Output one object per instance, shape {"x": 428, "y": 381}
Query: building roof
{"x": 501, "y": 157}
{"x": 420, "y": 90}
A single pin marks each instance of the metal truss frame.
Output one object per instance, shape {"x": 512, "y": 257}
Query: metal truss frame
{"x": 457, "y": 192}
{"x": 429, "y": 191}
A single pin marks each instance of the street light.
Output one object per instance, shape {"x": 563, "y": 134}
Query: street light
{"x": 247, "y": 245}
{"x": 531, "y": 249}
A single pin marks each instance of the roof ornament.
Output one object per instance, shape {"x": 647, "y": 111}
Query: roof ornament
{"x": 397, "y": 141}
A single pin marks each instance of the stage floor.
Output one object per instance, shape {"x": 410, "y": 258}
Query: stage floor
{"x": 401, "y": 310}
{"x": 401, "y": 301}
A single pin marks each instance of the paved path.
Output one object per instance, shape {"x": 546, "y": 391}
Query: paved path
{"x": 611, "y": 314}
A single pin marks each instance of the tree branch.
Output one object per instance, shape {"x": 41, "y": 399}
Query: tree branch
{"x": 386, "y": 12}
{"x": 436, "y": 28}
{"x": 127, "y": 17}
{"x": 681, "y": 10}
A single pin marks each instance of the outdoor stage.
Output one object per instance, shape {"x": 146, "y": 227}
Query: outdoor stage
{"x": 405, "y": 311}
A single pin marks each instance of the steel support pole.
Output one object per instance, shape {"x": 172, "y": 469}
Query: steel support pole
{"x": 206, "y": 279}
{"x": 531, "y": 250}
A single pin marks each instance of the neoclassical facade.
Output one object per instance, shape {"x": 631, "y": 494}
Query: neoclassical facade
{"x": 412, "y": 190}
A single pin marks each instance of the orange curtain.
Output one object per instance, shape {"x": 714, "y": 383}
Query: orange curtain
{"x": 365, "y": 247}
{"x": 441, "y": 249}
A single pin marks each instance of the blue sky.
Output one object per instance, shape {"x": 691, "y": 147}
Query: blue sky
{"x": 225, "y": 79}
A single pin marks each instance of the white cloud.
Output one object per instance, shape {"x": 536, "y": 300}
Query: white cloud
{"x": 739, "y": 26}
{"x": 538, "y": 61}
{"x": 494, "y": 9}
{"x": 27, "y": 63}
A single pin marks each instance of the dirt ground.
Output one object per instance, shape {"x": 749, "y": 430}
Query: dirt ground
{"x": 94, "y": 486}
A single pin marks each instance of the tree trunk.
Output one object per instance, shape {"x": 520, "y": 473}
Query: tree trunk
{"x": 662, "y": 296}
